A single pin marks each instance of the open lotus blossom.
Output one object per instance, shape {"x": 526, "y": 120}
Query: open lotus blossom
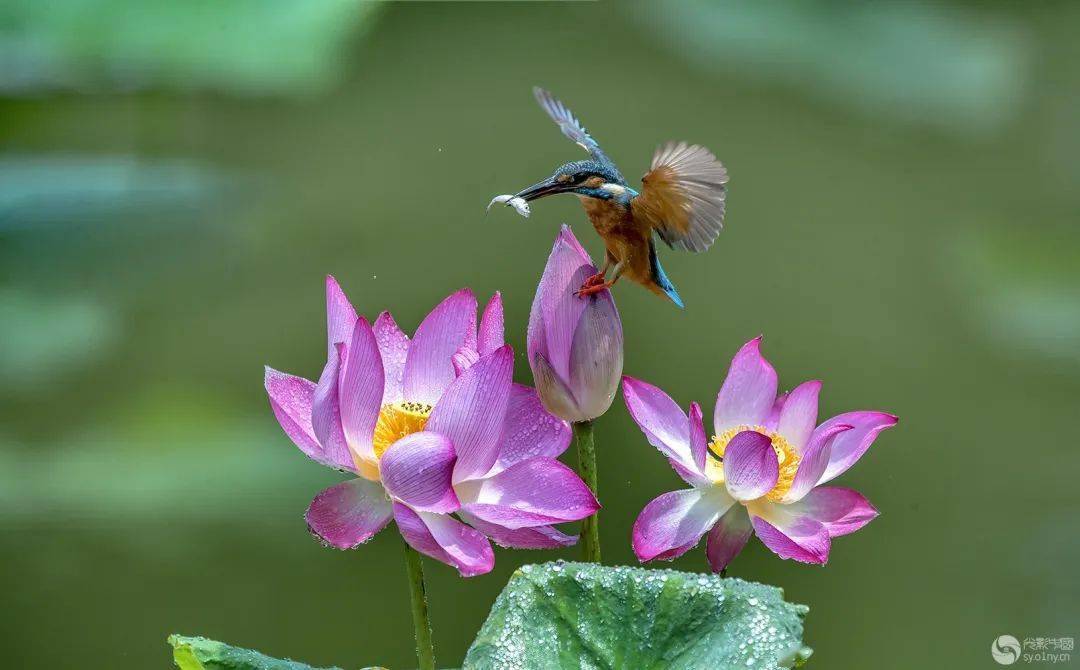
{"x": 762, "y": 471}
{"x": 575, "y": 343}
{"x": 432, "y": 426}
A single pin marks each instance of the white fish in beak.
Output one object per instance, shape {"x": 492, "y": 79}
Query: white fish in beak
{"x": 519, "y": 204}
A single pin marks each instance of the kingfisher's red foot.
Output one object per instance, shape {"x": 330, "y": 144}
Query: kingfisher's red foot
{"x": 594, "y": 280}
{"x": 587, "y": 289}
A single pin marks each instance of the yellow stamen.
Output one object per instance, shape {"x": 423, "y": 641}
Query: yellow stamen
{"x": 786, "y": 456}
{"x": 396, "y": 420}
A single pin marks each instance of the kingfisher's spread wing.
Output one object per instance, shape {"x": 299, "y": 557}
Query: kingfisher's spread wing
{"x": 569, "y": 125}
{"x": 682, "y": 196}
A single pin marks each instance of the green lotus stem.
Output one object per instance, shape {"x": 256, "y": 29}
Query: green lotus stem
{"x": 586, "y": 452}
{"x": 425, "y": 651}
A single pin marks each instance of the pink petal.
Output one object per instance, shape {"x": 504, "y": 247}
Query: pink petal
{"x": 750, "y": 465}
{"x": 665, "y": 425}
{"x": 470, "y": 327}
{"x": 445, "y": 539}
{"x": 798, "y": 415}
{"x": 814, "y": 461}
{"x": 529, "y": 430}
{"x": 749, "y": 390}
{"x": 360, "y": 390}
{"x": 556, "y": 311}
{"x": 326, "y": 411}
{"x": 699, "y": 444}
{"x": 849, "y": 447}
{"x": 537, "y": 492}
{"x": 566, "y": 236}
{"x": 472, "y": 410}
{"x": 537, "y": 537}
{"x": 464, "y": 359}
{"x": 348, "y": 514}
{"x": 596, "y": 356}
{"x": 429, "y": 367}
{"x": 728, "y": 537}
{"x": 673, "y": 523}
{"x": 394, "y": 349}
{"x": 796, "y": 537}
{"x": 416, "y": 470}
{"x": 841, "y": 510}
{"x": 773, "y": 418}
{"x": 491, "y": 335}
{"x": 340, "y": 316}
{"x": 290, "y": 398}
{"x": 691, "y": 476}
{"x": 554, "y": 394}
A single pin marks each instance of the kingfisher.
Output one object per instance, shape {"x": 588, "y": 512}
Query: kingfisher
{"x": 681, "y": 201}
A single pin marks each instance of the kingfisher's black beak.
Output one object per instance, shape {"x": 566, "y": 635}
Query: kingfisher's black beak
{"x": 546, "y": 187}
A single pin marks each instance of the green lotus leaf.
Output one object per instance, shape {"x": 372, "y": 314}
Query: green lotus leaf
{"x": 199, "y": 653}
{"x": 576, "y": 615}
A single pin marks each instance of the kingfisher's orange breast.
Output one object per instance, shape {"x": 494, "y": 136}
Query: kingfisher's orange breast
{"x": 604, "y": 215}
{"x": 625, "y": 242}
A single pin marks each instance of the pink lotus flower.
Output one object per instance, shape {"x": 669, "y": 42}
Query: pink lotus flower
{"x": 432, "y": 426}
{"x": 575, "y": 344}
{"x": 761, "y": 473}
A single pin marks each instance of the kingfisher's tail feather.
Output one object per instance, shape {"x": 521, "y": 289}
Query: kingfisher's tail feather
{"x": 660, "y": 279}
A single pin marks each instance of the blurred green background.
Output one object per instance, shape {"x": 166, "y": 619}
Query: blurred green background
{"x": 176, "y": 179}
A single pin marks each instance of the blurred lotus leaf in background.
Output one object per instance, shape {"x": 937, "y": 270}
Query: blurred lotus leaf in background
{"x": 69, "y": 191}
{"x": 928, "y": 63}
{"x": 238, "y": 46}
{"x": 1026, "y": 285}
{"x": 46, "y": 336}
